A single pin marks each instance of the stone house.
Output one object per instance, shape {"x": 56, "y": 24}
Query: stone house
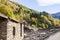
{"x": 10, "y": 29}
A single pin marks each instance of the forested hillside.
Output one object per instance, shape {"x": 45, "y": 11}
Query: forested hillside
{"x": 40, "y": 20}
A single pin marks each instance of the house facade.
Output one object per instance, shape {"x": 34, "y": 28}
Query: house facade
{"x": 10, "y": 29}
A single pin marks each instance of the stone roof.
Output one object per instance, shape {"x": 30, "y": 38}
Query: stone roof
{"x": 14, "y": 20}
{"x": 2, "y": 15}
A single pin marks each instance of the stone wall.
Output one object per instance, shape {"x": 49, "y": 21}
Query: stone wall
{"x": 10, "y": 35}
{"x": 3, "y": 28}
{"x": 10, "y": 30}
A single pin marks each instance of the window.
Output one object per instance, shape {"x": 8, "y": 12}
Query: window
{"x": 13, "y": 31}
{"x": 20, "y": 29}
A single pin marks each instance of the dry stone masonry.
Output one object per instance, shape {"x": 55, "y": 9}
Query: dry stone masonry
{"x": 10, "y": 29}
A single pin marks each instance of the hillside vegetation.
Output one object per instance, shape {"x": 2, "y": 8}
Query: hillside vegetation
{"x": 40, "y": 20}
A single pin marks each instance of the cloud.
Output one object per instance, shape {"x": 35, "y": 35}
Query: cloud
{"x": 48, "y": 2}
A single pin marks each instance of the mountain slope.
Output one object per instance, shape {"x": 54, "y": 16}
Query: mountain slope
{"x": 56, "y": 15}
{"x": 40, "y": 20}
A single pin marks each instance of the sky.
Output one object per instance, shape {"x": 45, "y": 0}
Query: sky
{"x": 50, "y": 6}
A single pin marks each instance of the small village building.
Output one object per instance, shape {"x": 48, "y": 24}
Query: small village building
{"x": 11, "y": 29}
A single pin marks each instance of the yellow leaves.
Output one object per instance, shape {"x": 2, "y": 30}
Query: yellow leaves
{"x": 21, "y": 16}
{"x": 43, "y": 17}
{"x": 27, "y": 16}
{"x": 13, "y": 6}
{"x": 56, "y": 21}
{"x": 7, "y": 11}
{"x": 34, "y": 19}
{"x": 33, "y": 26}
{"x": 5, "y": 8}
{"x": 50, "y": 17}
{"x": 23, "y": 8}
{"x": 46, "y": 19}
{"x": 3, "y": 1}
{"x": 17, "y": 17}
